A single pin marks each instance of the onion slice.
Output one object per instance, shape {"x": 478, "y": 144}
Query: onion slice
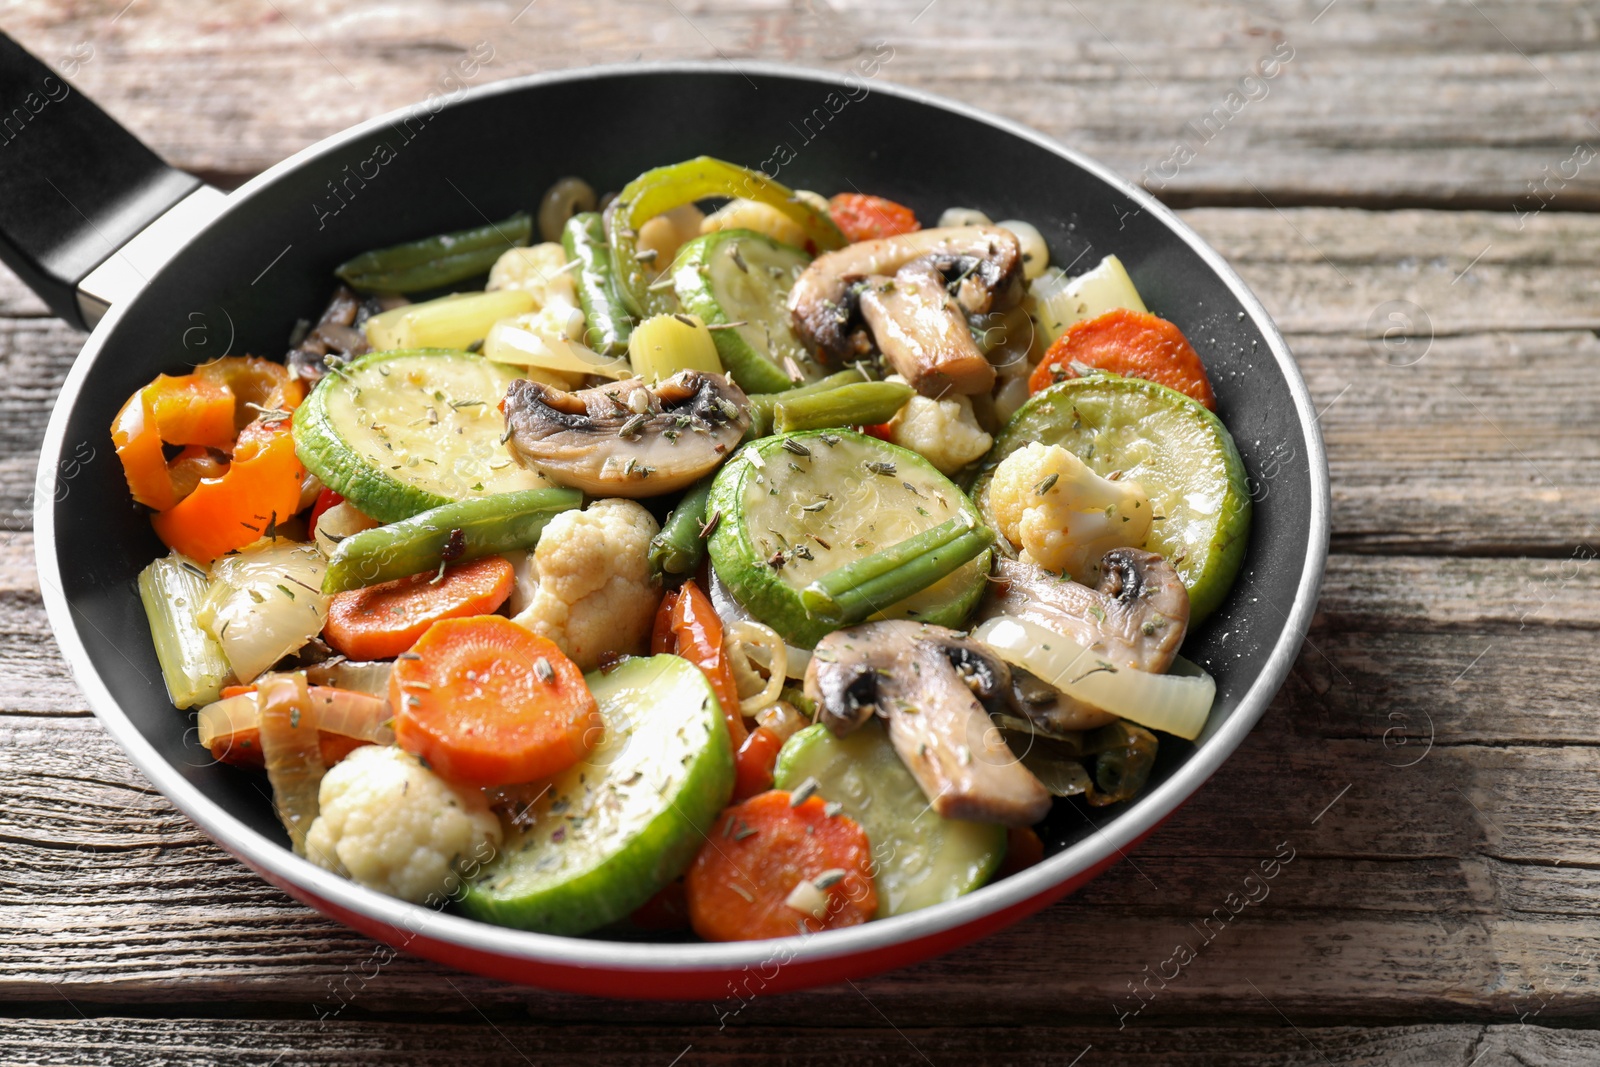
{"x": 761, "y": 643}
{"x": 291, "y": 747}
{"x": 232, "y": 723}
{"x": 1177, "y": 704}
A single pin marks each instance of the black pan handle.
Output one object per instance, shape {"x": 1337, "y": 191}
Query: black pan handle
{"x": 74, "y": 185}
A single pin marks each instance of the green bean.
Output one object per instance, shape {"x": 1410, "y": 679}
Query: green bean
{"x": 449, "y": 533}
{"x": 763, "y": 405}
{"x": 680, "y": 546}
{"x": 851, "y": 593}
{"x": 435, "y": 261}
{"x": 862, "y": 404}
{"x": 584, "y": 239}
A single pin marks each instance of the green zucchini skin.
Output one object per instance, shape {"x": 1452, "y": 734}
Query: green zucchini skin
{"x": 608, "y": 323}
{"x": 334, "y": 439}
{"x": 919, "y": 858}
{"x": 610, "y": 832}
{"x": 742, "y": 560}
{"x": 705, "y": 275}
{"x": 1170, "y": 444}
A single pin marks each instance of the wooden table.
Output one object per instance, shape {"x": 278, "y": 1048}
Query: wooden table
{"x": 1432, "y": 762}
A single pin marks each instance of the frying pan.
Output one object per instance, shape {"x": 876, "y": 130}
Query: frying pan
{"x": 169, "y": 273}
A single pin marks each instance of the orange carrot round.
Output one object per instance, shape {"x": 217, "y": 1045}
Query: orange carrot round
{"x": 745, "y": 875}
{"x": 382, "y": 621}
{"x": 866, "y": 218}
{"x": 485, "y": 702}
{"x": 1134, "y": 344}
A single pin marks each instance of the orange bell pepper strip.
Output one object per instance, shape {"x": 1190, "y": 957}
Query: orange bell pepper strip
{"x": 260, "y": 487}
{"x": 253, "y": 381}
{"x": 138, "y": 445}
{"x": 192, "y": 411}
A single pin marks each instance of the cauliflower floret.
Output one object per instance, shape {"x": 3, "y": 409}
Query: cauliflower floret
{"x": 389, "y": 823}
{"x": 945, "y": 432}
{"x": 595, "y": 593}
{"x": 1062, "y": 515}
{"x": 538, "y": 272}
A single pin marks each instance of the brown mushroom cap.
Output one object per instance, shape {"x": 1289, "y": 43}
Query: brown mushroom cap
{"x": 627, "y": 438}
{"x": 841, "y": 304}
{"x": 931, "y": 685}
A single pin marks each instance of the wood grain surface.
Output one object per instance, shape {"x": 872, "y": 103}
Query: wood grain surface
{"x": 1433, "y": 762}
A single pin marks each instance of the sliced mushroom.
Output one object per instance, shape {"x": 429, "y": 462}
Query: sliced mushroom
{"x": 910, "y": 295}
{"x": 932, "y": 686}
{"x": 338, "y": 333}
{"x": 626, "y": 438}
{"x": 1135, "y": 617}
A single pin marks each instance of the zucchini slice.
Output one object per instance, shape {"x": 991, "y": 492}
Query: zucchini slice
{"x": 1171, "y": 445}
{"x": 609, "y": 833}
{"x": 743, "y": 276}
{"x": 921, "y": 858}
{"x": 792, "y": 508}
{"x": 396, "y": 433}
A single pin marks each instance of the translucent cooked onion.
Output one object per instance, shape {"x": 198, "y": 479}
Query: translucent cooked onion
{"x": 291, "y": 748}
{"x": 264, "y": 603}
{"x": 761, "y": 643}
{"x": 1178, "y": 704}
{"x": 339, "y": 711}
{"x": 731, "y": 612}
{"x": 513, "y": 341}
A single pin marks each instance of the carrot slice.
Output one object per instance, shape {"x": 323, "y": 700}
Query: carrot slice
{"x": 486, "y": 702}
{"x": 1134, "y": 344}
{"x": 696, "y": 635}
{"x": 192, "y": 411}
{"x": 754, "y": 761}
{"x": 866, "y": 218}
{"x": 759, "y": 851}
{"x": 382, "y": 621}
{"x": 261, "y": 486}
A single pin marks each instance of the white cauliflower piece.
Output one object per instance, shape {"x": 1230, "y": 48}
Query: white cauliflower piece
{"x": 595, "y": 593}
{"x": 944, "y": 432}
{"x": 393, "y": 825}
{"x": 1062, "y": 515}
{"x": 538, "y": 272}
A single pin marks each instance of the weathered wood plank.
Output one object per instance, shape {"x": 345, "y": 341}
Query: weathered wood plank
{"x": 863, "y": 1038}
{"x": 1391, "y": 104}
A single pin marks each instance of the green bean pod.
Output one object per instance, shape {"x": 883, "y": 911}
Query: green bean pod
{"x": 861, "y": 404}
{"x": 432, "y": 262}
{"x": 584, "y": 238}
{"x": 764, "y": 405}
{"x": 462, "y": 530}
{"x": 853, "y": 592}
{"x": 678, "y": 549}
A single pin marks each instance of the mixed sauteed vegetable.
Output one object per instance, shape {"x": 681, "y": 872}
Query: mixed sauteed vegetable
{"x": 755, "y": 571}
